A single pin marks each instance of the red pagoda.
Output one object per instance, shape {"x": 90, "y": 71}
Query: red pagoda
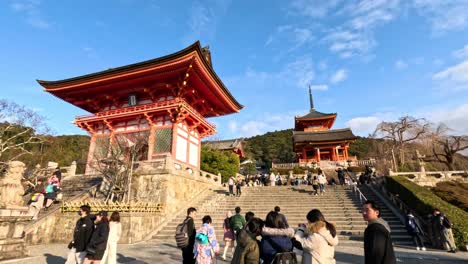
{"x": 314, "y": 140}
{"x": 167, "y": 98}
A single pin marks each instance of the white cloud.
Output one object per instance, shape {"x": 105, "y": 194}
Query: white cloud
{"x": 31, "y": 10}
{"x": 296, "y": 36}
{"x": 363, "y": 126}
{"x": 262, "y": 123}
{"x": 203, "y": 19}
{"x": 457, "y": 73}
{"x": 401, "y": 65}
{"x": 461, "y": 53}
{"x": 355, "y": 36}
{"x": 321, "y": 87}
{"x": 314, "y": 8}
{"x": 455, "y": 118}
{"x": 339, "y": 76}
{"x": 444, "y": 15}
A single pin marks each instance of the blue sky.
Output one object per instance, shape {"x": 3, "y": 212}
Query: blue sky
{"x": 368, "y": 60}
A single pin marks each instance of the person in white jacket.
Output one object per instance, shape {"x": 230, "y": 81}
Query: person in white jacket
{"x": 110, "y": 256}
{"x": 318, "y": 239}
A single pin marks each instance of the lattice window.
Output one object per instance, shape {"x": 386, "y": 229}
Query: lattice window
{"x": 163, "y": 140}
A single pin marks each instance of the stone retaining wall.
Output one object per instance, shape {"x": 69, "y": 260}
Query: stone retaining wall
{"x": 176, "y": 191}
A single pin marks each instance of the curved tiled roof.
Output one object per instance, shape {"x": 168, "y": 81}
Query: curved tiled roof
{"x": 323, "y": 136}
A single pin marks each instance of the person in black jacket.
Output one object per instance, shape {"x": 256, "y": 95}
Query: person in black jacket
{"x": 187, "y": 252}
{"x": 378, "y": 247}
{"x": 98, "y": 242}
{"x": 82, "y": 234}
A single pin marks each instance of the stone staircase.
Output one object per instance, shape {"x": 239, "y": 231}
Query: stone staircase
{"x": 339, "y": 206}
{"x": 72, "y": 188}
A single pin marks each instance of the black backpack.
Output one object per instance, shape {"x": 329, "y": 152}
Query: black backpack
{"x": 446, "y": 222}
{"x": 181, "y": 234}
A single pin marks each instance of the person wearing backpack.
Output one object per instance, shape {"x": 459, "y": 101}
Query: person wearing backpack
{"x": 185, "y": 236}
{"x": 276, "y": 239}
{"x": 228, "y": 235}
{"x": 444, "y": 226}
{"x": 237, "y": 221}
{"x": 414, "y": 229}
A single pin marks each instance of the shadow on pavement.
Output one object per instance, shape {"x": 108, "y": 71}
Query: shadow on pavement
{"x": 122, "y": 259}
{"x": 343, "y": 258}
{"x": 51, "y": 259}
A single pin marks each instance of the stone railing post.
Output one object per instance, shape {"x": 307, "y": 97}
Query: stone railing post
{"x": 72, "y": 169}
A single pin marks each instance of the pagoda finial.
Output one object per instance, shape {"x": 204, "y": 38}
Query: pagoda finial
{"x": 311, "y": 99}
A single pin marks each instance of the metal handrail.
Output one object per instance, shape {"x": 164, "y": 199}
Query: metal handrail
{"x": 361, "y": 195}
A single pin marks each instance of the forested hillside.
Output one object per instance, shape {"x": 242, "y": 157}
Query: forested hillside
{"x": 277, "y": 147}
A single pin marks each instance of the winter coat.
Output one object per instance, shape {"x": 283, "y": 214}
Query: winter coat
{"x": 275, "y": 240}
{"x": 378, "y": 247}
{"x": 412, "y": 225}
{"x": 237, "y": 222}
{"x": 83, "y": 231}
{"x": 247, "y": 249}
{"x": 317, "y": 243}
{"x": 99, "y": 238}
{"x": 191, "y": 231}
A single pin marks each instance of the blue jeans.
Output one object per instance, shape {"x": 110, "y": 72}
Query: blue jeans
{"x": 322, "y": 187}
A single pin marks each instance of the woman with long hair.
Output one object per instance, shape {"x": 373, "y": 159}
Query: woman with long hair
{"x": 110, "y": 256}
{"x": 318, "y": 239}
{"x": 97, "y": 245}
{"x": 228, "y": 237}
{"x": 206, "y": 244}
{"x": 276, "y": 238}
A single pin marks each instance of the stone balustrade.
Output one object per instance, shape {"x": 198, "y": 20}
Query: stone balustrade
{"x": 431, "y": 178}
{"x": 325, "y": 164}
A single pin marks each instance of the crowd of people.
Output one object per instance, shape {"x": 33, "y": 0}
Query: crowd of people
{"x": 95, "y": 238}
{"x": 44, "y": 193}
{"x": 318, "y": 180}
{"x": 251, "y": 239}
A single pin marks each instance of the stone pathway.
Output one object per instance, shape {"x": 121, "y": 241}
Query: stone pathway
{"x": 160, "y": 252}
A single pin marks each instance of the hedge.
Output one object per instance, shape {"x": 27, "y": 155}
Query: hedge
{"x": 423, "y": 201}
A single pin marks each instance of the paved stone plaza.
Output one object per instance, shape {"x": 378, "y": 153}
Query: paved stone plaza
{"x": 160, "y": 252}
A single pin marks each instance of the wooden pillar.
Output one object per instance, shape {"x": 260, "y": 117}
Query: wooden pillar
{"x": 345, "y": 152}
{"x": 332, "y": 153}
{"x": 151, "y": 141}
{"x": 92, "y": 146}
{"x": 304, "y": 153}
{"x": 317, "y": 154}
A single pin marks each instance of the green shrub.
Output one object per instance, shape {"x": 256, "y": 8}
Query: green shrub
{"x": 423, "y": 201}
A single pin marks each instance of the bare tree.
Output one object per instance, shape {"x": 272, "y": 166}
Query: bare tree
{"x": 20, "y": 129}
{"x": 445, "y": 146}
{"x": 407, "y": 129}
{"x": 115, "y": 160}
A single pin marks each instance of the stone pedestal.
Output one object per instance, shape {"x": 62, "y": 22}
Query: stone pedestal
{"x": 12, "y": 223}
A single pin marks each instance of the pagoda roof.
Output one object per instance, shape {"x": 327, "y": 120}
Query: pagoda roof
{"x": 225, "y": 144}
{"x": 324, "y": 136}
{"x": 313, "y": 114}
{"x": 193, "y": 58}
